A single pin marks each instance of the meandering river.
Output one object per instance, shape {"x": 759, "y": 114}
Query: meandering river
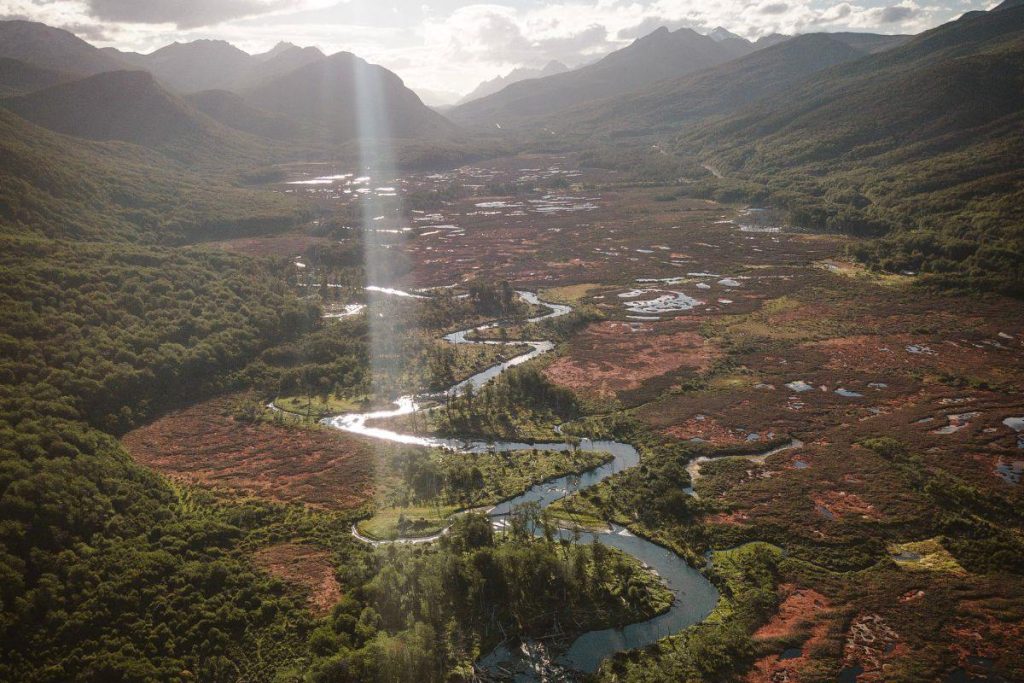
{"x": 694, "y": 595}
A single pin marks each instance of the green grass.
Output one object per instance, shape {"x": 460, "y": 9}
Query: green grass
{"x": 573, "y": 512}
{"x": 568, "y": 294}
{"x": 392, "y": 522}
{"x": 933, "y": 557}
{"x": 317, "y": 407}
{"x": 467, "y": 481}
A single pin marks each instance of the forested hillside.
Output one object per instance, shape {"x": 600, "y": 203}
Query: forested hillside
{"x": 130, "y": 106}
{"x": 17, "y": 77}
{"x": 660, "y": 55}
{"x": 53, "y": 48}
{"x": 673, "y": 103}
{"x": 54, "y": 185}
{"x": 107, "y": 575}
{"x": 919, "y": 145}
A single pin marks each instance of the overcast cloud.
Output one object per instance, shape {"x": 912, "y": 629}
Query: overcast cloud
{"x": 452, "y": 45}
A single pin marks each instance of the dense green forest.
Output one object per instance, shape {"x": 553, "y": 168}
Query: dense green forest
{"x": 522, "y": 401}
{"x": 112, "y": 573}
{"x": 918, "y": 146}
{"x": 64, "y": 187}
{"x": 107, "y": 574}
{"x": 113, "y": 314}
{"x": 428, "y": 614}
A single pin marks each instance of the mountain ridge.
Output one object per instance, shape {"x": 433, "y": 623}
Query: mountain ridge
{"x": 18, "y": 77}
{"x": 320, "y": 94}
{"x": 497, "y": 83}
{"x": 935, "y": 171}
{"x": 53, "y": 48}
{"x": 653, "y": 57}
{"x": 131, "y": 106}
{"x": 669, "y": 104}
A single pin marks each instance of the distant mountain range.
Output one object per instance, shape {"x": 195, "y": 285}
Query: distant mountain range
{"x": 900, "y": 136}
{"x": 216, "y": 64}
{"x": 516, "y": 75}
{"x": 53, "y": 48}
{"x": 669, "y": 104}
{"x": 236, "y": 104}
{"x": 657, "y": 56}
{"x": 345, "y": 95}
{"x": 948, "y": 84}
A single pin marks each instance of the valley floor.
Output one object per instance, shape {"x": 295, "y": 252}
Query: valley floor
{"x": 897, "y": 519}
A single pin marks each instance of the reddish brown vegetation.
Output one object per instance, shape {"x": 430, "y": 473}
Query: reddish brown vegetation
{"x": 204, "y": 445}
{"x": 802, "y": 610}
{"x": 305, "y": 566}
{"x": 735, "y": 518}
{"x": 610, "y": 357}
{"x": 707, "y": 429}
{"x": 976, "y": 632}
{"x": 841, "y": 503}
{"x": 870, "y": 642}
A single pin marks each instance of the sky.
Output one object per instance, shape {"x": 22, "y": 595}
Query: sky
{"x": 451, "y": 45}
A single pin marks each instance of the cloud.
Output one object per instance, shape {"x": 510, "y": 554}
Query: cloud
{"x": 651, "y": 24}
{"x": 497, "y": 34}
{"x": 896, "y": 14}
{"x": 182, "y": 13}
{"x": 455, "y": 44}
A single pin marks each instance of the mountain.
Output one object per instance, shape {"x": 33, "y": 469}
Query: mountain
{"x": 932, "y": 84}
{"x": 657, "y": 56}
{"x": 130, "y": 106}
{"x": 17, "y": 77}
{"x": 724, "y": 36}
{"x": 283, "y": 59}
{"x": 331, "y": 93}
{"x": 232, "y": 110}
{"x": 125, "y": 57}
{"x": 871, "y": 43}
{"x": 53, "y": 48}
{"x": 771, "y": 39}
{"x": 668, "y": 105}
{"x": 54, "y": 185}
{"x": 521, "y": 74}
{"x": 216, "y": 65}
{"x": 199, "y": 65}
{"x": 921, "y": 142}
{"x": 282, "y": 47}
{"x": 118, "y": 105}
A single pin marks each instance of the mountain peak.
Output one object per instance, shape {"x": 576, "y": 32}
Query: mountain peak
{"x": 322, "y": 94}
{"x": 202, "y": 45}
{"x": 52, "y": 48}
{"x": 771, "y": 39}
{"x": 658, "y": 34}
{"x": 656, "y": 56}
{"x": 282, "y": 47}
{"x": 719, "y": 33}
